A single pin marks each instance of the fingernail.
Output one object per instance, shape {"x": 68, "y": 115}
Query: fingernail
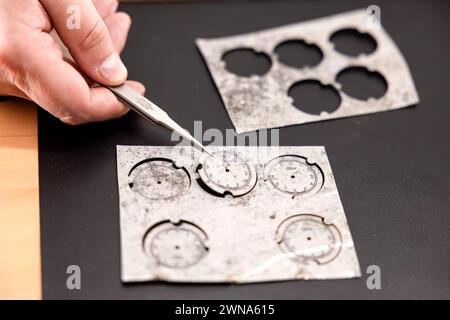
{"x": 113, "y": 69}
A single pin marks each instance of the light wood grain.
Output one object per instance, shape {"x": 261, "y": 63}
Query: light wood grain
{"x": 20, "y": 263}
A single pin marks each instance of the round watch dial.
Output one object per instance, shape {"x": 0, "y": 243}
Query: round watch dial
{"x": 307, "y": 237}
{"x": 176, "y": 246}
{"x": 159, "y": 179}
{"x": 227, "y": 172}
{"x": 294, "y": 175}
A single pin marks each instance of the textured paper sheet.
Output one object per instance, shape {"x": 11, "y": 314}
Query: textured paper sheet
{"x": 249, "y": 214}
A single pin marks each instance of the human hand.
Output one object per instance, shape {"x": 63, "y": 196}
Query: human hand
{"x": 32, "y": 64}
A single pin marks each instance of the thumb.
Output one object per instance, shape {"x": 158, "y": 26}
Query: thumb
{"x": 86, "y": 36}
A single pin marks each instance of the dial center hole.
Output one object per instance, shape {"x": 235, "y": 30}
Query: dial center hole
{"x": 309, "y": 238}
{"x": 177, "y": 247}
{"x": 159, "y": 182}
{"x": 292, "y": 177}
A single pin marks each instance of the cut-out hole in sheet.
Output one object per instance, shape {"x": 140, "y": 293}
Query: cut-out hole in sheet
{"x": 298, "y": 54}
{"x": 353, "y": 43}
{"x": 247, "y": 62}
{"x": 312, "y": 97}
{"x": 362, "y": 84}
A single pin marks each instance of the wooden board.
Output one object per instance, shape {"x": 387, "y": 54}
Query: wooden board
{"x": 20, "y": 267}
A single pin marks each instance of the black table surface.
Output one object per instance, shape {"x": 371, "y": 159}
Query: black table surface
{"x": 392, "y": 168}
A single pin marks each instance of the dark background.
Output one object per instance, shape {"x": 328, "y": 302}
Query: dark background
{"x": 392, "y": 169}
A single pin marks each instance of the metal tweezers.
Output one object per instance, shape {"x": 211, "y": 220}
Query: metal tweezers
{"x": 153, "y": 113}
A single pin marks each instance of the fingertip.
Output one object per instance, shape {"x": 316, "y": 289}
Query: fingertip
{"x": 119, "y": 21}
{"x": 103, "y": 105}
{"x": 113, "y": 70}
{"x": 118, "y": 25}
{"x": 71, "y": 120}
{"x": 116, "y": 110}
{"x": 124, "y": 18}
{"x": 106, "y": 7}
{"x": 121, "y": 111}
{"x": 138, "y": 86}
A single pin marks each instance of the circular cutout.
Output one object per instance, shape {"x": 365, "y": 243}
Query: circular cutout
{"x": 176, "y": 245}
{"x": 227, "y": 172}
{"x": 158, "y": 178}
{"x": 306, "y": 237}
{"x": 298, "y": 54}
{"x": 312, "y": 97}
{"x": 351, "y": 42}
{"x": 294, "y": 175}
{"x": 247, "y": 62}
{"x": 362, "y": 84}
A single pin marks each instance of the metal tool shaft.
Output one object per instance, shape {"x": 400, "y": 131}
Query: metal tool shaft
{"x": 153, "y": 113}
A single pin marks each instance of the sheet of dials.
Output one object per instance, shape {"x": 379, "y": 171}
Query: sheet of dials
{"x": 248, "y": 214}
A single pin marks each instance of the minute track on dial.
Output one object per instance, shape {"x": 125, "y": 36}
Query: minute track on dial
{"x": 176, "y": 245}
{"x": 227, "y": 172}
{"x": 306, "y": 237}
{"x": 159, "y": 178}
{"x": 293, "y": 175}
